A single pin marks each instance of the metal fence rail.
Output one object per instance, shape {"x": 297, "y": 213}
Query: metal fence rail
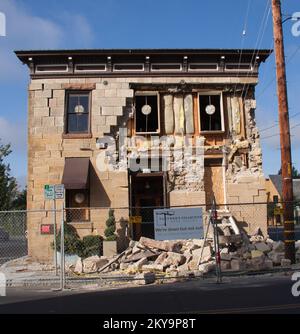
{"x": 84, "y": 229}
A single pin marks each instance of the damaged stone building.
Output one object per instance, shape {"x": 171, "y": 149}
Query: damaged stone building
{"x": 137, "y": 128}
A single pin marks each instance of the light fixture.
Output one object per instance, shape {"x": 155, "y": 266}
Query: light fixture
{"x": 146, "y": 109}
{"x": 70, "y": 58}
{"x": 79, "y": 198}
{"x": 210, "y": 109}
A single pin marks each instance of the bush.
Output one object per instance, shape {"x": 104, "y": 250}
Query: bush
{"x": 110, "y": 226}
{"x": 92, "y": 245}
{"x": 73, "y": 244}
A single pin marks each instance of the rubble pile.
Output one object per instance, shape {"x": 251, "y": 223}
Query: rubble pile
{"x": 238, "y": 252}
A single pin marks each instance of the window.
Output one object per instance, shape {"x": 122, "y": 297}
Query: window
{"x": 90, "y": 68}
{"x": 147, "y": 113}
{"x": 51, "y": 68}
{"x": 238, "y": 67}
{"x": 203, "y": 67}
{"x": 275, "y": 199}
{"x": 128, "y": 67}
{"x": 211, "y": 112}
{"x": 166, "y": 67}
{"x": 78, "y": 105}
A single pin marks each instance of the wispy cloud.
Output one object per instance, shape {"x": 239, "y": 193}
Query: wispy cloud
{"x": 28, "y": 31}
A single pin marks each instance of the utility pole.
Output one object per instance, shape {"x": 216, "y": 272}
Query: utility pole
{"x": 285, "y": 138}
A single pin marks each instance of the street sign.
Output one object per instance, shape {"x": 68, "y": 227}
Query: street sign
{"x": 59, "y": 190}
{"x": 48, "y": 191}
{"x": 178, "y": 223}
{"x": 278, "y": 211}
{"x": 135, "y": 219}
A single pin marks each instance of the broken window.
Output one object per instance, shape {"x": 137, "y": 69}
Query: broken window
{"x": 211, "y": 112}
{"x": 78, "y": 112}
{"x": 147, "y": 113}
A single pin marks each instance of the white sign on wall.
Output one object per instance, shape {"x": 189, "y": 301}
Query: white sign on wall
{"x": 178, "y": 223}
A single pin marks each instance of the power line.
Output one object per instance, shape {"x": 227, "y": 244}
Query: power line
{"x": 243, "y": 40}
{"x": 258, "y": 42}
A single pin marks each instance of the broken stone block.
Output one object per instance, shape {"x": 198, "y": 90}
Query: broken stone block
{"x": 145, "y": 278}
{"x": 161, "y": 258}
{"x": 278, "y": 246}
{"x": 168, "y": 246}
{"x": 135, "y": 250}
{"x": 78, "y": 267}
{"x": 138, "y": 265}
{"x": 198, "y": 242}
{"x": 152, "y": 267}
{"x": 124, "y": 266}
{"x": 224, "y": 250}
{"x": 263, "y": 247}
{"x": 93, "y": 263}
{"x": 206, "y": 254}
{"x": 285, "y": 263}
{"x": 174, "y": 258}
{"x": 276, "y": 257}
{"x": 193, "y": 264}
{"x": 183, "y": 268}
{"x": 257, "y": 254}
{"x": 247, "y": 255}
{"x": 257, "y": 238}
{"x": 226, "y": 231}
{"x": 268, "y": 264}
{"x": 207, "y": 267}
{"x": 225, "y": 265}
{"x": 237, "y": 265}
{"x": 132, "y": 243}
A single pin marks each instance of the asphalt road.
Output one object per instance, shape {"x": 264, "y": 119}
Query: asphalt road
{"x": 238, "y": 295}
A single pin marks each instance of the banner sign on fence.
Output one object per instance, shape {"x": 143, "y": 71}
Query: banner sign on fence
{"x": 178, "y": 223}
{"x": 48, "y": 191}
{"x": 135, "y": 219}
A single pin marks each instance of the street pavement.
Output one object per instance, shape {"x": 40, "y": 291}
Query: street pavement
{"x": 256, "y": 294}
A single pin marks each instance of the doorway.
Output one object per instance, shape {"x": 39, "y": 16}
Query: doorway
{"x": 147, "y": 194}
{"x": 213, "y": 182}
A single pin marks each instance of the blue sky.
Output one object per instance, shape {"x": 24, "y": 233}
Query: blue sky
{"x": 35, "y": 24}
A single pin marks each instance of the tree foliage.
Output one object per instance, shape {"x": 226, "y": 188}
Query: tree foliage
{"x": 295, "y": 173}
{"x": 10, "y": 197}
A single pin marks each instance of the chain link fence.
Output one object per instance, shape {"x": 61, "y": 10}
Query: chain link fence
{"x": 13, "y": 235}
{"x": 38, "y": 233}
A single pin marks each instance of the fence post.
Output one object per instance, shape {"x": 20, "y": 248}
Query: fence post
{"x": 54, "y": 232}
{"x": 62, "y": 250}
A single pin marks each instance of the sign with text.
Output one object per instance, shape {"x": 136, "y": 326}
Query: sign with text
{"x": 135, "y": 219}
{"x": 59, "y": 190}
{"x": 178, "y": 223}
{"x": 48, "y": 191}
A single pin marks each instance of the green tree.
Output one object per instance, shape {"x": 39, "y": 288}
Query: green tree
{"x": 110, "y": 226}
{"x": 295, "y": 173}
{"x": 8, "y": 184}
